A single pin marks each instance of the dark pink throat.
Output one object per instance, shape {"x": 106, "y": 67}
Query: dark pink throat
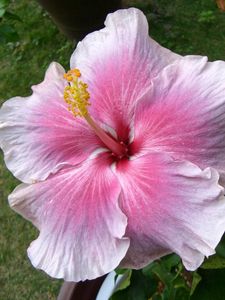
{"x": 118, "y": 148}
{"x": 123, "y": 153}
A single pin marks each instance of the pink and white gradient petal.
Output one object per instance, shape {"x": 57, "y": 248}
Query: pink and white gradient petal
{"x": 171, "y": 206}
{"x": 184, "y": 113}
{"x": 39, "y": 135}
{"x": 81, "y": 225}
{"x": 118, "y": 63}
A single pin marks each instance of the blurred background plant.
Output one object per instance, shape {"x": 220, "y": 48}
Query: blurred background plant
{"x": 29, "y": 41}
{"x": 8, "y": 19}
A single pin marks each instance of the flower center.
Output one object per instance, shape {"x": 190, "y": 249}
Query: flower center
{"x": 77, "y": 97}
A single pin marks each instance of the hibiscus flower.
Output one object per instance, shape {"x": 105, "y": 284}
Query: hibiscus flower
{"x": 126, "y": 169}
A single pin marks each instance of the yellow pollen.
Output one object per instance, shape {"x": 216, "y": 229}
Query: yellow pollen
{"x": 76, "y": 94}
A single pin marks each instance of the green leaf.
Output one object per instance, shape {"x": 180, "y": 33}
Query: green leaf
{"x": 158, "y": 268}
{"x": 2, "y": 12}
{"x": 140, "y": 288}
{"x": 195, "y": 281}
{"x": 179, "y": 282}
{"x": 182, "y": 294}
{"x": 120, "y": 271}
{"x": 125, "y": 281}
{"x": 212, "y": 285}
{"x": 8, "y": 33}
{"x": 214, "y": 262}
{"x": 157, "y": 297}
{"x": 220, "y": 249}
{"x": 13, "y": 17}
{"x": 170, "y": 261}
{"x": 4, "y": 3}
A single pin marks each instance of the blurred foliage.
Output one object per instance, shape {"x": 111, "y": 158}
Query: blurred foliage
{"x": 161, "y": 280}
{"x": 167, "y": 279}
{"x": 212, "y": 285}
{"x": 186, "y": 27}
{"x": 24, "y": 62}
{"x": 207, "y": 17}
{"x": 29, "y": 41}
{"x": 8, "y": 19}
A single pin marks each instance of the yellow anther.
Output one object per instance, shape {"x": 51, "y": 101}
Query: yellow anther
{"x": 68, "y": 77}
{"x": 76, "y": 94}
{"x": 76, "y": 72}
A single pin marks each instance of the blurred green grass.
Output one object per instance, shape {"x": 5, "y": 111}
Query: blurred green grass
{"x": 186, "y": 27}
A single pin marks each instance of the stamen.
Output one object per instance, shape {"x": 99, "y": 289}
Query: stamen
{"x": 77, "y": 97}
{"x": 76, "y": 94}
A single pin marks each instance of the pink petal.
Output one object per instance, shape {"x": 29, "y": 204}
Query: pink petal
{"x": 39, "y": 135}
{"x": 171, "y": 206}
{"x": 81, "y": 226}
{"x": 184, "y": 113}
{"x": 118, "y": 63}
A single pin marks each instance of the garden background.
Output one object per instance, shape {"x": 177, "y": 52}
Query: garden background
{"x": 29, "y": 41}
